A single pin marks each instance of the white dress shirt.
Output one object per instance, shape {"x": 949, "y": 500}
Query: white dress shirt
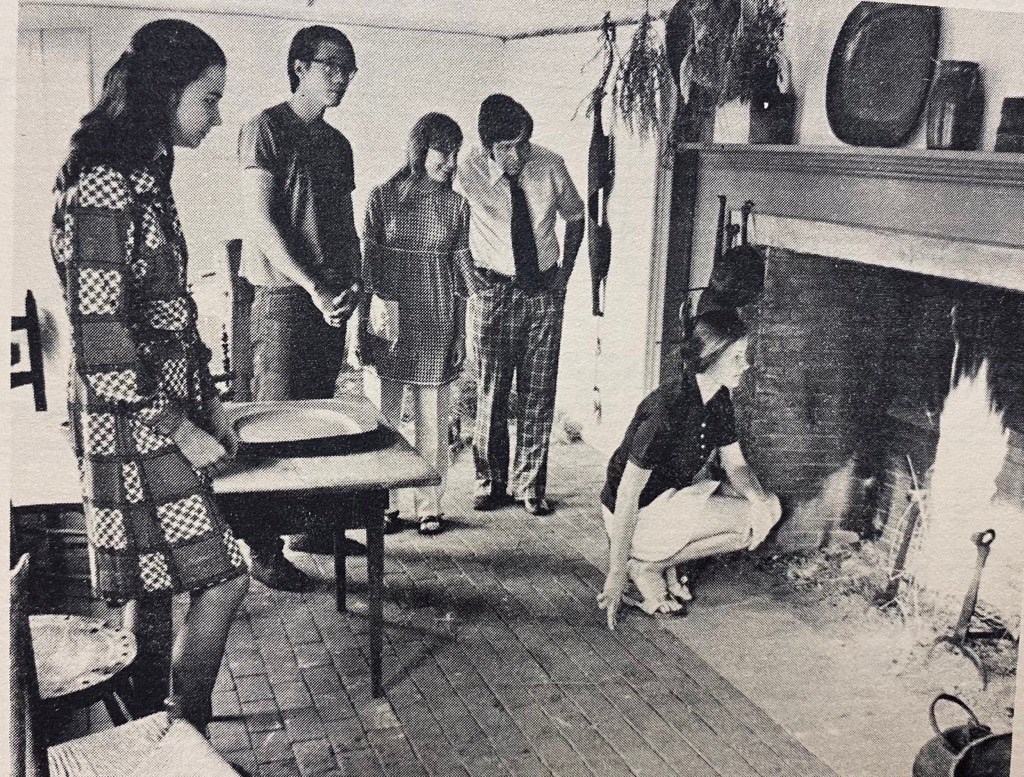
{"x": 549, "y": 191}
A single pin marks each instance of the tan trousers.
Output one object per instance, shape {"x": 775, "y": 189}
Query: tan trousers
{"x": 431, "y": 411}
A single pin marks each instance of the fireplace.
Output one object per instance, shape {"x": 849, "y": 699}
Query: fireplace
{"x": 894, "y": 277}
{"x": 867, "y": 373}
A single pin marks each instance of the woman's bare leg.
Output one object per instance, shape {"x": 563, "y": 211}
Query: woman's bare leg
{"x": 150, "y": 620}
{"x": 199, "y": 649}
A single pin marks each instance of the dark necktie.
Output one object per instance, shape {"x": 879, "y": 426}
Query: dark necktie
{"x": 524, "y": 244}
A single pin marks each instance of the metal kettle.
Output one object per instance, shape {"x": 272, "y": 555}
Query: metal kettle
{"x": 967, "y": 750}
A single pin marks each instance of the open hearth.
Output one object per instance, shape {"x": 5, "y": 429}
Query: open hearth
{"x": 859, "y": 367}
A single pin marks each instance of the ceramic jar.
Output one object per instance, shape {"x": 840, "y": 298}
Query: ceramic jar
{"x": 955, "y": 106}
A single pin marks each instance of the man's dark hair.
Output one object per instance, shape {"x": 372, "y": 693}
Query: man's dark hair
{"x": 502, "y": 118}
{"x": 306, "y": 42}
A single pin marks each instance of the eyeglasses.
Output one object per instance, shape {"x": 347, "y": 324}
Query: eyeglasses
{"x": 336, "y": 68}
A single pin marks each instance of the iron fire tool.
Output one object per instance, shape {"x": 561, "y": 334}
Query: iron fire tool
{"x": 961, "y": 633}
{"x": 908, "y": 523}
{"x": 745, "y": 211}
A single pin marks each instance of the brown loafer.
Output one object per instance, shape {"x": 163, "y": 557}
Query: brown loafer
{"x": 492, "y": 501}
{"x": 281, "y": 575}
{"x": 309, "y": 543}
{"x": 392, "y": 523}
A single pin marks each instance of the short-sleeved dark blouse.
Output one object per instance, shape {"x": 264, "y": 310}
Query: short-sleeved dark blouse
{"x": 672, "y": 434}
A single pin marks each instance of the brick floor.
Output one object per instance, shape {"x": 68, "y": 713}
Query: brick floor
{"x": 496, "y": 662}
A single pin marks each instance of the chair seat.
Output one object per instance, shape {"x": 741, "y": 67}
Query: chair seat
{"x": 153, "y": 746}
{"x": 76, "y": 653}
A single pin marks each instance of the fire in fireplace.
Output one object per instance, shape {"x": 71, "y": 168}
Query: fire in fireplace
{"x": 861, "y": 361}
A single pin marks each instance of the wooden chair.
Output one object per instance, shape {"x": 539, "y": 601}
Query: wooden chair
{"x": 238, "y": 345}
{"x": 34, "y": 375}
{"x": 94, "y": 668}
{"x": 151, "y": 746}
{"x": 82, "y": 661}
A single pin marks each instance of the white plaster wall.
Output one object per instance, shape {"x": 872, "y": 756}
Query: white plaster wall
{"x": 402, "y": 75}
{"x": 990, "y": 37}
{"x": 553, "y": 77}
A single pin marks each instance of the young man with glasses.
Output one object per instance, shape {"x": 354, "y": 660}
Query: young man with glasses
{"x": 301, "y": 253}
{"x": 516, "y": 191}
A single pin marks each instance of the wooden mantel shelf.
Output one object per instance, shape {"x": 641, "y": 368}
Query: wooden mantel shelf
{"x": 976, "y": 168}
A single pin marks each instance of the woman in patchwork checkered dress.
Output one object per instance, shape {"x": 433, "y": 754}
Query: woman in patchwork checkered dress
{"x": 412, "y": 327}
{"x": 148, "y": 426}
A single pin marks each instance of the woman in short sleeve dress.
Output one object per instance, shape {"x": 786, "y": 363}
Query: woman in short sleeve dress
{"x": 412, "y": 327}
{"x": 657, "y": 511}
{"x": 147, "y": 423}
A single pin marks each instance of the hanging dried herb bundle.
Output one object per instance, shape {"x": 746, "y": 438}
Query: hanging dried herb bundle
{"x": 757, "y": 47}
{"x": 640, "y": 85}
{"x": 731, "y": 41}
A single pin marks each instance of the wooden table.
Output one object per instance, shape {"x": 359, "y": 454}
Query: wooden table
{"x": 44, "y": 477}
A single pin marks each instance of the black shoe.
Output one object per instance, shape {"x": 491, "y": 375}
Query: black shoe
{"x": 319, "y": 543}
{"x": 304, "y": 544}
{"x": 537, "y": 506}
{"x": 280, "y": 574}
{"x": 392, "y": 523}
{"x": 492, "y": 501}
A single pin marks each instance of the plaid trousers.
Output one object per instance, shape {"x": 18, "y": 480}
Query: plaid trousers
{"x": 515, "y": 332}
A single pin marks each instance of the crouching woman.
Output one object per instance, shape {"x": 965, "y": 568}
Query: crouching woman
{"x": 656, "y": 515}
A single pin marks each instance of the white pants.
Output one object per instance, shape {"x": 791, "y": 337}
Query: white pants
{"x": 431, "y": 411}
{"x": 667, "y": 525}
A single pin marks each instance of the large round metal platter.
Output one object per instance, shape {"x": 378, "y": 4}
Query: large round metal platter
{"x": 300, "y": 429}
{"x": 293, "y": 423}
{"x": 880, "y": 72}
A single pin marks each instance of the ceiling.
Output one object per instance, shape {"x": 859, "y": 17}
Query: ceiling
{"x": 496, "y": 18}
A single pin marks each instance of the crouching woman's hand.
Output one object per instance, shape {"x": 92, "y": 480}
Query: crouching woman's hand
{"x": 764, "y": 514}
{"x": 610, "y": 599}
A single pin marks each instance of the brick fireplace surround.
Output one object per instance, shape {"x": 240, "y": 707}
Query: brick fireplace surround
{"x": 874, "y": 258}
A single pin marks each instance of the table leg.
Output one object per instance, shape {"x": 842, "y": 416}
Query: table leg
{"x": 375, "y": 579}
{"x": 340, "y": 581}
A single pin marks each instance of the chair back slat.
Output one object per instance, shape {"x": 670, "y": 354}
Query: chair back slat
{"x": 28, "y": 745}
{"x": 242, "y": 294}
{"x": 36, "y": 373}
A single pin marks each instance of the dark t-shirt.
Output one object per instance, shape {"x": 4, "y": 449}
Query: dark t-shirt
{"x": 312, "y": 209}
{"x": 672, "y": 434}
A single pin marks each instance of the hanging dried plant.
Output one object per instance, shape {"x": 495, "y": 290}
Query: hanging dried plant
{"x": 640, "y": 95}
{"x": 732, "y": 40}
{"x": 608, "y": 54}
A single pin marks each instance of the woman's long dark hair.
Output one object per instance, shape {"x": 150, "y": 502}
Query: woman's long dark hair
{"x": 712, "y": 334}
{"x": 134, "y": 114}
{"x": 433, "y": 131}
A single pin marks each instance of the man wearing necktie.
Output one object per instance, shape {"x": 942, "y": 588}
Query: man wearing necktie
{"x": 516, "y": 190}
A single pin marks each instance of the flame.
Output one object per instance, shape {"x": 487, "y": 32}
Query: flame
{"x": 971, "y": 452}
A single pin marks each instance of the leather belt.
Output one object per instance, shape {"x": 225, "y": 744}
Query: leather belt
{"x": 495, "y": 277}
{"x": 547, "y": 277}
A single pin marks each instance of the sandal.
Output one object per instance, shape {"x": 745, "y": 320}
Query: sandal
{"x": 678, "y": 585}
{"x": 430, "y": 524}
{"x": 651, "y": 585}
